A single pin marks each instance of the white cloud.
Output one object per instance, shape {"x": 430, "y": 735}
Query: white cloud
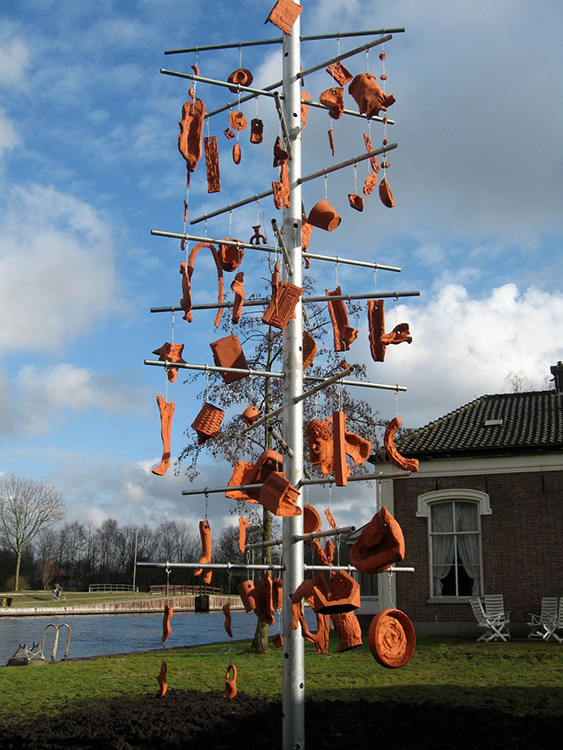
{"x": 464, "y": 347}
{"x": 14, "y": 61}
{"x": 57, "y": 275}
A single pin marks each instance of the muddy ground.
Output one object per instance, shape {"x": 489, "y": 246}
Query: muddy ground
{"x": 211, "y": 721}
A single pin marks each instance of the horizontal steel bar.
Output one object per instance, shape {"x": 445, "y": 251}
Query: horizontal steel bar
{"x": 327, "y": 381}
{"x": 357, "y": 478}
{"x": 257, "y": 43}
{"x": 352, "y": 262}
{"x": 303, "y": 537}
{"x": 211, "y": 566}
{"x": 352, "y": 569}
{"x": 215, "y": 82}
{"x": 300, "y": 181}
{"x": 222, "y": 490}
{"x": 214, "y": 368}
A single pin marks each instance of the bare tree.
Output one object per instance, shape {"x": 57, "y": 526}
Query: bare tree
{"x": 26, "y": 507}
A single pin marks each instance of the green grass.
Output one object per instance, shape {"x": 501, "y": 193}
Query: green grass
{"x": 74, "y": 598}
{"x": 519, "y": 677}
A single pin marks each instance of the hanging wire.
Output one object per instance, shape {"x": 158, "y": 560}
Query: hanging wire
{"x": 390, "y": 579}
{"x": 367, "y": 61}
{"x": 378, "y": 497}
{"x": 355, "y": 178}
{"x": 206, "y": 494}
{"x": 326, "y": 186}
{"x": 207, "y": 386}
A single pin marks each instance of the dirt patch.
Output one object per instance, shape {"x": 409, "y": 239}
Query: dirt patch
{"x": 210, "y": 721}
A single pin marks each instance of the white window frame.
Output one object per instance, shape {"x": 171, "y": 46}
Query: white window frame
{"x": 425, "y": 503}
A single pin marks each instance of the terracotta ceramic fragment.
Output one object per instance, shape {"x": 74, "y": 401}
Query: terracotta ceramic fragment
{"x": 329, "y": 551}
{"x": 256, "y": 130}
{"x": 311, "y": 520}
{"x": 357, "y": 448}
{"x": 320, "y": 553}
{"x": 231, "y": 682}
{"x": 344, "y": 335}
{"x": 339, "y": 73}
{"x": 331, "y": 140}
{"x": 385, "y": 194}
{"x": 245, "y": 589}
{"x": 319, "y": 438}
{"x": 237, "y": 287}
{"x": 309, "y": 350}
{"x": 250, "y": 415}
{"x": 228, "y": 133}
{"x": 380, "y": 544}
{"x": 341, "y": 468}
{"x": 324, "y": 216}
{"x": 161, "y": 679}
{"x": 277, "y": 641}
{"x": 236, "y": 153}
{"x": 166, "y": 628}
{"x": 285, "y": 188}
{"x": 205, "y": 534}
{"x": 208, "y": 423}
{"x": 284, "y": 14}
{"x": 320, "y": 638}
{"x": 407, "y": 464}
{"x": 369, "y": 97}
{"x": 391, "y": 638}
{"x": 257, "y": 238}
{"x": 356, "y": 201}
{"x": 277, "y": 188}
{"x": 343, "y": 595}
{"x": 333, "y": 99}
{"x": 378, "y": 339}
{"x": 187, "y": 273}
{"x": 306, "y": 231}
{"x": 227, "y": 352}
{"x": 277, "y": 594}
{"x": 262, "y": 595}
{"x": 230, "y": 256}
{"x": 305, "y": 97}
{"x": 237, "y": 120}
{"x": 281, "y": 156}
{"x": 282, "y": 305}
{"x": 170, "y": 353}
{"x": 267, "y": 462}
{"x": 228, "y": 619}
{"x": 166, "y": 410}
{"x": 191, "y": 132}
{"x": 239, "y": 477}
{"x": 330, "y": 518}
{"x": 279, "y": 496}
{"x": 242, "y": 527}
{"x": 369, "y": 183}
{"x": 373, "y": 159}
{"x": 240, "y": 76}
{"x": 348, "y": 630}
{"x": 212, "y": 164}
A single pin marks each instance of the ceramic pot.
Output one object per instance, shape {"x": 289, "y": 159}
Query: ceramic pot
{"x": 324, "y": 216}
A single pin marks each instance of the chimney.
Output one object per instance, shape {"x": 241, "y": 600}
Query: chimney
{"x": 557, "y": 372}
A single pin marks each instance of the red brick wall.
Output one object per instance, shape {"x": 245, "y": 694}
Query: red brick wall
{"x": 522, "y": 542}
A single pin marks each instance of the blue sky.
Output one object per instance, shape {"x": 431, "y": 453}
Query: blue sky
{"x": 89, "y": 165}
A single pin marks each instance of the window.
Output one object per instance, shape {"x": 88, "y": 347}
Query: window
{"x": 454, "y": 541}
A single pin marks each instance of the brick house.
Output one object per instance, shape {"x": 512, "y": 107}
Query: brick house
{"x": 484, "y": 513}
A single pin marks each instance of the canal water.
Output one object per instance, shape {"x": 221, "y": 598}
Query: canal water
{"x": 103, "y": 635}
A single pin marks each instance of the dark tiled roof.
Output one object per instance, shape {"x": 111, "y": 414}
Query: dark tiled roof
{"x": 530, "y": 421}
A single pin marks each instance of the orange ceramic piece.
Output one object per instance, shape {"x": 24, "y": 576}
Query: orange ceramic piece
{"x": 330, "y": 518}
{"x": 319, "y": 438}
{"x": 166, "y": 627}
{"x": 227, "y": 352}
{"x": 237, "y": 120}
{"x": 187, "y": 273}
{"x": 228, "y": 619}
{"x": 162, "y": 680}
{"x": 262, "y": 595}
{"x": 369, "y": 97}
{"x": 406, "y": 464}
{"x": 331, "y": 140}
{"x": 245, "y": 591}
{"x": 305, "y": 97}
{"x": 205, "y": 534}
{"x": 191, "y": 132}
{"x": 373, "y": 159}
{"x": 341, "y": 468}
{"x": 277, "y": 641}
{"x": 282, "y": 305}
{"x": 339, "y": 73}
{"x": 228, "y": 133}
{"x": 306, "y": 231}
{"x": 267, "y": 462}
{"x": 231, "y": 682}
{"x": 320, "y": 553}
{"x": 380, "y": 544}
{"x": 284, "y": 182}
{"x": 347, "y": 629}
{"x": 385, "y": 194}
{"x": 309, "y": 350}
{"x": 280, "y": 155}
{"x": 256, "y": 130}
{"x": 329, "y": 551}
{"x": 242, "y": 527}
{"x": 343, "y": 595}
{"x": 279, "y": 496}
{"x": 237, "y": 287}
{"x": 370, "y": 183}
{"x": 170, "y": 353}
{"x": 241, "y": 76}
{"x": 230, "y": 256}
{"x": 378, "y": 339}
{"x": 356, "y": 201}
{"x": 212, "y": 164}
{"x": 236, "y": 153}
{"x": 277, "y": 594}
{"x": 257, "y": 238}
{"x": 166, "y": 410}
{"x": 358, "y": 448}
{"x": 391, "y": 638}
{"x": 250, "y": 415}
{"x": 324, "y": 216}
{"x": 277, "y": 189}
{"x": 208, "y": 423}
{"x": 333, "y": 99}
{"x": 239, "y": 477}
{"x": 344, "y": 335}
{"x": 311, "y": 520}
{"x": 284, "y": 14}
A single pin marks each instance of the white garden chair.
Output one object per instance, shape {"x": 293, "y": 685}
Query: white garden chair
{"x": 542, "y": 624}
{"x": 556, "y": 625}
{"x": 495, "y": 625}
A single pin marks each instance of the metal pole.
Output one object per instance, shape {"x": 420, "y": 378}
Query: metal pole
{"x": 293, "y": 696}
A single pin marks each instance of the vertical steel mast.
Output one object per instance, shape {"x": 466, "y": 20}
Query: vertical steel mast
{"x": 293, "y": 709}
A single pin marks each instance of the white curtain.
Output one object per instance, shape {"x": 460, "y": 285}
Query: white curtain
{"x": 468, "y": 544}
{"x": 442, "y": 544}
